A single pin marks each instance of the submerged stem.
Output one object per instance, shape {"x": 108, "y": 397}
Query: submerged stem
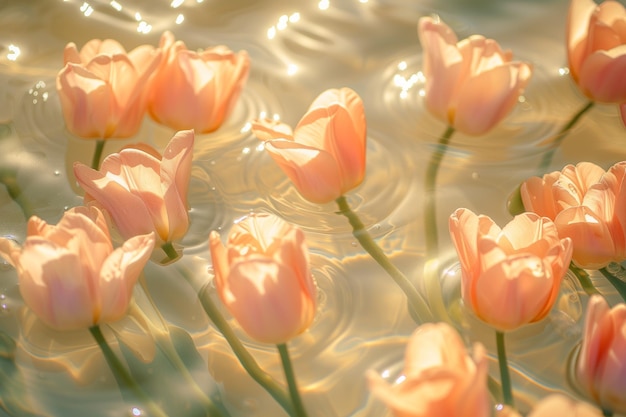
{"x": 617, "y": 283}
{"x": 417, "y": 305}
{"x": 505, "y": 377}
{"x": 170, "y": 251}
{"x": 584, "y": 279}
{"x": 547, "y": 157}
{"x": 97, "y": 154}
{"x": 122, "y": 376}
{"x": 291, "y": 381}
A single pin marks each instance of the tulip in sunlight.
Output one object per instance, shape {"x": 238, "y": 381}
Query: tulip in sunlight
{"x": 263, "y": 278}
{"x": 143, "y": 193}
{"x": 196, "y": 90}
{"x": 325, "y": 155}
{"x": 69, "y": 274}
{"x": 510, "y": 276}
{"x": 472, "y": 84}
{"x": 104, "y": 90}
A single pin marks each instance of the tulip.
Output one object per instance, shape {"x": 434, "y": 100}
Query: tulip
{"x": 440, "y": 378}
{"x": 69, "y": 274}
{"x": 587, "y": 205}
{"x": 600, "y": 368}
{"x": 104, "y": 90}
{"x": 262, "y": 276}
{"x": 596, "y": 47}
{"x": 143, "y": 193}
{"x": 325, "y": 155}
{"x": 560, "y": 405}
{"x": 510, "y": 276}
{"x": 196, "y": 90}
{"x": 472, "y": 84}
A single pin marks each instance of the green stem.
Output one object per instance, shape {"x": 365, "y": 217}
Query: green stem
{"x": 547, "y": 157}
{"x": 607, "y": 413}
{"x": 9, "y": 179}
{"x": 245, "y": 358}
{"x": 505, "y": 378}
{"x": 584, "y": 279}
{"x": 122, "y": 376}
{"x": 97, "y": 154}
{"x": 170, "y": 251}
{"x": 291, "y": 381}
{"x": 617, "y": 283}
{"x": 417, "y": 305}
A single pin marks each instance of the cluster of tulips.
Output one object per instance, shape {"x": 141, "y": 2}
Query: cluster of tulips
{"x": 72, "y": 276}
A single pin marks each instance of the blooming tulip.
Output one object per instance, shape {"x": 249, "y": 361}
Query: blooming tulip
{"x": 440, "y": 379}
{"x": 600, "y": 369}
{"x": 69, "y": 274}
{"x": 587, "y": 205}
{"x": 262, "y": 276}
{"x": 325, "y": 155}
{"x": 510, "y": 276}
{"x": 143, "y": 193}
{"x": 596, "y": 46}
{"x": 472, "y": 84}
{"x": 197, "y": 90}
{"x": 104, "y": 90}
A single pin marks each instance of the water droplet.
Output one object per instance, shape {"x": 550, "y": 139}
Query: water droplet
{"x": 213, "y": 188}
{"x": 57, "y": 172}
{"x": 136, "y": 411}
{"x": 354, "y": 244}
{"x": 376, "y": 227}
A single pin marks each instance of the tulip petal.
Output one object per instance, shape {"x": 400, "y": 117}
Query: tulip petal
{"x": 538, "y": 195}
{"x": 267, "y": 129}
{"x": 579, "y": 14}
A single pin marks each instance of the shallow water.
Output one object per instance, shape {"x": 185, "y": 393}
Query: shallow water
{"x": 298, "y": 49}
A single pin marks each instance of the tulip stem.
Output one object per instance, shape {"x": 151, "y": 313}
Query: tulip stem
{"x": 505, "y": 378}
{"x": 547, "y": 157}
{"x": 245, "y": 358}
{"x": 291, "y": 380}
{"x": 607, "y": 413}
{"x": 612, "y": 277}
{"x": 417, "y": 305}
{"x": 9, "y": 179}
{"x": 431, "y": 268}
{"x": 97, "y": 154}
{"x": 122, "y": 376}
{"x": 584, "y": 279}
{"x": 170, "y": 251}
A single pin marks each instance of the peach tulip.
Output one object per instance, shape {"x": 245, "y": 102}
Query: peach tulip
{"x": 560, "y": 405}
{"x": 104, "y": 90}
{"x": 587, "y": 205}
{"x": 262, "y": 276}
{"x": 600, "y": 368}
{"x": 596, "y": 46}
{"x": 325, "y": 155}
{"x": 472, "y": 84}
{"x": 197, "y": 90}
{"x": 143, "y": 193}
{"x": 510, "y": 276}
{"x": 69, "y": 274}
{"x": 440, "y": 379}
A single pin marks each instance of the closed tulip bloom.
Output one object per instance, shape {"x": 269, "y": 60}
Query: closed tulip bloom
{"x": 587, "y": 205}
{"x": 510, "y": 276}
{"x": 596, "y": 46}
{"x": 144, "y": 193}
{"x": 325, "y": 155}
{"x": 440, "y": 378}
{"x": 69, "y": 274}
{"x": 600, "y": 368}
{"x": 262, "y": 276}
{"x": 197, "y": 90}
{"x": 104, "y": 90}
{"x": 472, "y": 84}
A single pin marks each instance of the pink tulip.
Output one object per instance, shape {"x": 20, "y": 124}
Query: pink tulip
{"x": 325, "y": 155}
{"x": 559, "y": 405}
{"x": 197, "y": 90}
{"x": 472, "y": 84}
{"x": 510, "y": 276}
{"x": 104, "y": 90}
{"x": 596, "y": 46}
{"x": 440, "y": 379}
{"x": 69, "y": 274}
{"x": 600, "y": 369}
{"x": 262, "y": 276}
{"x": 587, "y": 205}
{"x": 143, "y": 193}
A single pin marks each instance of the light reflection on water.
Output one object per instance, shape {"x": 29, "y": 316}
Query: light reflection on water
{"x": 298, "y": 49}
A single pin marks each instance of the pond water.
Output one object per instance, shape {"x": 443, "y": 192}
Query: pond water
{"x": 298, "y": 49}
